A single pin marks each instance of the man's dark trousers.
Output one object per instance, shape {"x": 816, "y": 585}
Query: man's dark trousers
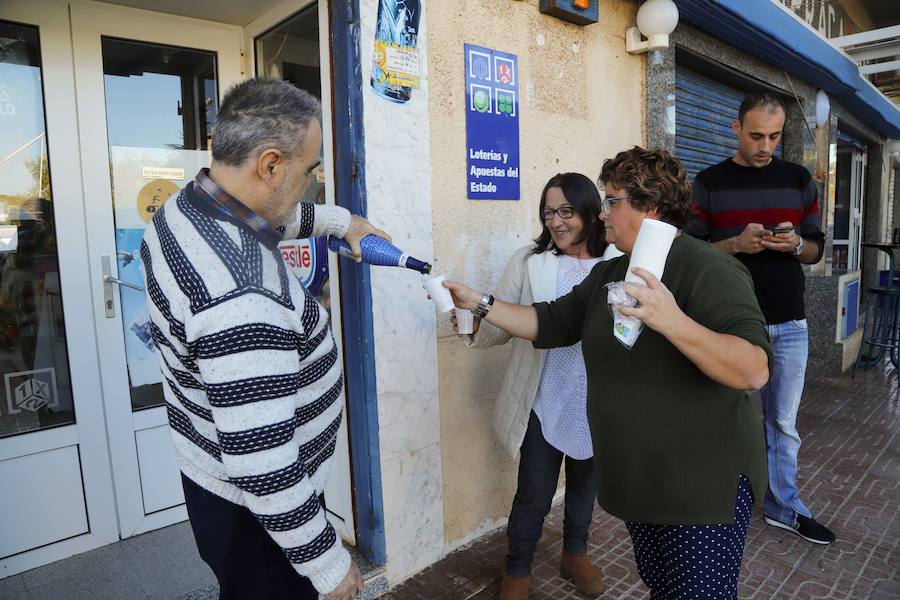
{"x": 245, "y": 559}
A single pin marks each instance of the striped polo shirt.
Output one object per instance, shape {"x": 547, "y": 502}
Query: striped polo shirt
{"x": 727, "y": 197}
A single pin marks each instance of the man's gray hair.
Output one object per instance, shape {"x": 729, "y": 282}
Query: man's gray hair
{"x": 262, "y": 113}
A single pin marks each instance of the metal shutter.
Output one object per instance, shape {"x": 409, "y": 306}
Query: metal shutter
{"x": 704, "y": 110}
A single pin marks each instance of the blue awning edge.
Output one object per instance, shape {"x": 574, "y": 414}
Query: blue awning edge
{"x": 765, "y": 30}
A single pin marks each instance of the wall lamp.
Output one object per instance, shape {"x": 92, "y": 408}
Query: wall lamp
{"x": 656, "y": 19}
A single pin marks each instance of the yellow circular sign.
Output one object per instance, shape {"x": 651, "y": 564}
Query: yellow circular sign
{"x": 152, "y": 196}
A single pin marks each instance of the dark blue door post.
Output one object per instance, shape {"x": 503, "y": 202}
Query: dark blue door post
{"x": 356, "y": 291}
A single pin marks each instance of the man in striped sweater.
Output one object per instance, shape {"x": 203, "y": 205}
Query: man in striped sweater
{"x": 765, "y": 212}
{"x": 252, "y": 377}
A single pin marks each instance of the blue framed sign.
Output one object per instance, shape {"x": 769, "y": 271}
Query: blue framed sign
{"x": 492, "y": 124}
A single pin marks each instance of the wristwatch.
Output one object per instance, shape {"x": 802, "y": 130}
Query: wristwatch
{"x": 799, "y": 249}
{"x": 484, "y": 306}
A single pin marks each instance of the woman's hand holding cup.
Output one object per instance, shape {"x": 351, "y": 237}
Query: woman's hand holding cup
{"x": 463, "y": 296}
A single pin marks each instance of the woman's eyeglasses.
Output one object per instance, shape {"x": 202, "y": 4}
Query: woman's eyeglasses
{"x": 564, "y": 212}
{"x": 607, "y": 202}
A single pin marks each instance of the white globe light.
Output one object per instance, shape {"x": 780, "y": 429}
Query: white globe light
{"x": 657, "y": 17}
{"x": 823, "y": 108}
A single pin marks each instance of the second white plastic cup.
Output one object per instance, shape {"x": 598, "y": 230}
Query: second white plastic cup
{"x": 439, "y": 294}
{"x": 465, "y": 321}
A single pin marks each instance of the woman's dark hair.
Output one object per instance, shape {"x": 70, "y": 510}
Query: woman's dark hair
{"x": 582, "y": 194}
{"x": 652, "y": 179}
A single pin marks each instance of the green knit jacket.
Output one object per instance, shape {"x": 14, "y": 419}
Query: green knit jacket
{"x": 669, "y": 443}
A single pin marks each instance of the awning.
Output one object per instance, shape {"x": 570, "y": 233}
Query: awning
{"x": 766, "y": 30}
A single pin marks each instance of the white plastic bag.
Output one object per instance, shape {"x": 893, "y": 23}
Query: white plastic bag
{"x": 625, "y": 329}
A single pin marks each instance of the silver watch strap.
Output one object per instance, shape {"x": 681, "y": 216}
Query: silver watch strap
{"x": 483, "y": 306}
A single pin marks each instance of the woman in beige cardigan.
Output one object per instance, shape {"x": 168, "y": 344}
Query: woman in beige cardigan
{"x": 540, "y": 414}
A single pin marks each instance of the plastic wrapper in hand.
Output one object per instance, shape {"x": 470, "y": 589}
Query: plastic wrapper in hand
{"x": 626, "y": 329}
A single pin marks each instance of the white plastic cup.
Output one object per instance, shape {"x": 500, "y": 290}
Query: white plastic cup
{"x": 439, "y": 294}
{"x": 465, "y": 321}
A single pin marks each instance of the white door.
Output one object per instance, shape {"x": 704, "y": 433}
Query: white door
{"x": 104, "y": 110}
{"x": 57, "y": 497}
{"x": 850, "y": 194}
{"x": 148, "y": 86}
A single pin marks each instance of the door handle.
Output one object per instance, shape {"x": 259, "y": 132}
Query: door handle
{"x": 111, "y": 279}
{"x": 108, "y": 280}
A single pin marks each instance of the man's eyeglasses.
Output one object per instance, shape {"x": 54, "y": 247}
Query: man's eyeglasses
{"x": 564, "y": 212}
{"x": 607, "y": 202}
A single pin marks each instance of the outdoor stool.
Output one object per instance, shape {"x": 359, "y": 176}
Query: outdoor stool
{"x": 883, "y": 312}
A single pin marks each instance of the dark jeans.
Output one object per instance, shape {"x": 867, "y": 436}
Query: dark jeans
{"x": 247, "y": 562}
{"x": 538, "y": 475}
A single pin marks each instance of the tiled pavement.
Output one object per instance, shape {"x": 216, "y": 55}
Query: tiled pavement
{"x": 160, "y": 565}
{"x": 849, "y": 476}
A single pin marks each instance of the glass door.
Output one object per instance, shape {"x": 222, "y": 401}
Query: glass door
{"x": 857, "y": 197}
{"x": 148, "y": 89}
{"x": 850, "y": 190}
{"x": 57, "y": 496}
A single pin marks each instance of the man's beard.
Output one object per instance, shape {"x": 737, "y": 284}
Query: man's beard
{"x": 284, "y": 200}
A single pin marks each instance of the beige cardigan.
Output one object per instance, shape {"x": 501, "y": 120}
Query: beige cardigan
{"x": 528, "y": 278}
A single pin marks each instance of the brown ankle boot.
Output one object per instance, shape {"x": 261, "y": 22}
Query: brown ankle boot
{"x": 514, "y": 588}
{"x": 578, "y": 569}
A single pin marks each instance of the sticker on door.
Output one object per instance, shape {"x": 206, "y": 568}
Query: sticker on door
{"x": 31, "y": 390}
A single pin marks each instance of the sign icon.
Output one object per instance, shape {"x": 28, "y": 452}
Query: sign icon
{"x": 479, "y": 66}
{"x": 152, "y": 196}
{"x": 506, "y": 103}
{"x": 31, "y": 390}
{"x": 32, "y": 394}
{"x": 505, "y": 70}
{"x": 481, "y": 101}
{"x": 480, "y": 98}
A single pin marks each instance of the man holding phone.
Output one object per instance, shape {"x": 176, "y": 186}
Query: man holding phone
{"x": 765, "y": 212}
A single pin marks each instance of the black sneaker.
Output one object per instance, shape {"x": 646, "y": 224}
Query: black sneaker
{"x": 807, "y": 528}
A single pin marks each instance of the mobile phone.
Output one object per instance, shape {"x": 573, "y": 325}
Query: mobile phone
{"x": 786, "y": 229}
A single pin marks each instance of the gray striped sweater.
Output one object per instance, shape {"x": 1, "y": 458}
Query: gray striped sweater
{"x": 251, "y": 373}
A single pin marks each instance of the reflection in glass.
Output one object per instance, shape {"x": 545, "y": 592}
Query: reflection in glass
{"x": 842, "y": 211}
{"x": 290, "y": 51}
{"x": 35, "y": 391}
{"x": 161, "y": 104}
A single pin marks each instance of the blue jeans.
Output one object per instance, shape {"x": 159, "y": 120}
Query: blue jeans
{"x": 780, "y": 401}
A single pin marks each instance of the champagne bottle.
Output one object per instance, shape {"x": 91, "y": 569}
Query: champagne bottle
{"x": 379, "y": 251}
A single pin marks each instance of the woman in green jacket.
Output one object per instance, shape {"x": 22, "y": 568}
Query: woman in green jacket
{"x": 678, "y": 448}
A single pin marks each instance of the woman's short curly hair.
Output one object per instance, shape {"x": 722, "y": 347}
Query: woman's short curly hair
{"x": 652, "y": 179}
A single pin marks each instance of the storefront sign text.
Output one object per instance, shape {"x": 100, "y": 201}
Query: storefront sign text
{"x": 492, "y": 124}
